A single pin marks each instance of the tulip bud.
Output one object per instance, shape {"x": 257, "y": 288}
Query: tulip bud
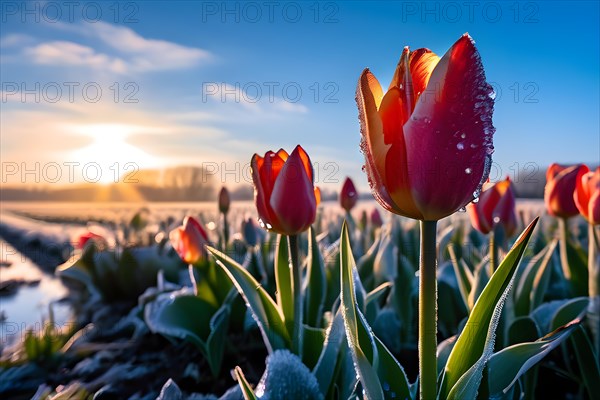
{"x": 496, "y": 205}
{"x": 427, "y": 141}
{"x": 283, "y": 191}
{"x": 348, "y": 195}
{"x": 587, "y": 195}
{"x": 559, "y": 190}
{"x": 376, "y": 220}
{"x": 249, "y": 233}
{"x": 224, "y": 200}
{"x": 189, "y": 241}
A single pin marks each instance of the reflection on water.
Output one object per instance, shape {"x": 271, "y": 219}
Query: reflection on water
{"x": 28, "y": 306}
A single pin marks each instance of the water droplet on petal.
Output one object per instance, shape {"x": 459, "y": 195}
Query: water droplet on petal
{"x": 468, "y": 170}
{"x": 460, "y": 145}
{"x": 476, "y": 200}
{"x": 463, "y": 135}
{"x": 426, "y": 120}
{"x": 462, "y": 209}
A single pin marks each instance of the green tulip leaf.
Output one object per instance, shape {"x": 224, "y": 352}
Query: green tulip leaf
{"x": 379, "y": 373}
{"x": 215, "y": 344}
{"x": 528, "y": 295}
{"x": 480, "y": 280}
{"x": 464, "y": 276}
{"x": 316, "y": 283}
{"x": 475, "y": 343}
{"x": 506, "y": 366}
{"x": 523, "y": 329}
{"x": 587, "y": 359}
{"x": 244, "y": 385}
{"x": 266, "y": 313}
{"x": 324, "y": 371}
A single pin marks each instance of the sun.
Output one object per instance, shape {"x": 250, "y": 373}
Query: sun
{"x": 109, "y": 157}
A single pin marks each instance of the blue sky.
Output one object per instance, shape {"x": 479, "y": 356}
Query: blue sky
{"x": 210, "y": 83}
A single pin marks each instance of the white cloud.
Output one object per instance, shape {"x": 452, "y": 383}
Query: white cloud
{"x": 16, "y": 40}
{"x": 257, "y": 102}
{"x": 73, "y": 54}
{"x": 131, "y": 53}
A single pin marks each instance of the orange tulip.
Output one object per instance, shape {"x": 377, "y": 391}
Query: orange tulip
{"x": 283, "y": 191}
{"x": 224, "y": 200}
{"x": 560, "y": 186}
{"x": 348, "y": 195}
{"x": 428, "y": 140}
{"x": 189, "y": 241}
{"x": 587, "y": 195}
{"x": 496, "y": 205}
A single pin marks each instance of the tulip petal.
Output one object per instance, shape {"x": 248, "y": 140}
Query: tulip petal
{"x": 554, "y": 170}
{"x": 264, "y": 173}
{"x": 396, "y": 179}
{"x": 293, "y": 197}
{"x": 587, "y": 195}
{"x": 422, "y": 64}
{"x": 368, "y": 99}
{"x": 449, "y": 136}
{"x": 305, "y": 161}
{"x": 559, "y": 190}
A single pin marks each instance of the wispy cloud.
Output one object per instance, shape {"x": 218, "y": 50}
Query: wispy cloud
{"x": 131, "y": 52}
{"x": 62, "y": 53}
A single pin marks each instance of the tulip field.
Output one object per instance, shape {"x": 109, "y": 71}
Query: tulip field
{"x": 444, "y": 287}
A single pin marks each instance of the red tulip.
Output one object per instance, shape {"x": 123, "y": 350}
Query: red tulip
{"x": 376, "y": 218}
{"x": 283, "y": 191}
{"x": 86, "y": 237}
{"x": 224, "y": 200}
{"x": 189, "y": 241}
{"x": 496, "y": 205}
{"x": 348, "y": 195}
{"x": 428, "y": 140}
{"x": 587, "y": 195}
{"x": 560, "y": 186}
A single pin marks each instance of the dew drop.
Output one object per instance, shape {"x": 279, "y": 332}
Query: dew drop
{"x": 492, "y": 95}
{"x": 468, "y": 170}
{"x": 496, "y": 220}
{"x": 460, "y": 145}
{"x": 426, "y": 120}
{"x": 463, "y": 135}
{"x": 462, "y": 209}
{"x": 476, "y": 200}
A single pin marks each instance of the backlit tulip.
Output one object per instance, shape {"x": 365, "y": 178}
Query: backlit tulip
{"x": 496, "y": 205}
{"x": 348, "y": 195}
{"x": 587, "y": 195}
{"x": 189, "y": 241}
{"x": 427, "y": 141}
{"x": 224, "y": 200}
{"x": 559, "y": 190}
{"x": 86, "y": 237}
{"x": 283, "y": 191}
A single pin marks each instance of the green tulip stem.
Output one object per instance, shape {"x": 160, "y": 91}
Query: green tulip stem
{"x": 297, "y": 290}
{"x": 563, "y": 227}
{"x": 193, "y": 279}
{"x": 428, "y": 312}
